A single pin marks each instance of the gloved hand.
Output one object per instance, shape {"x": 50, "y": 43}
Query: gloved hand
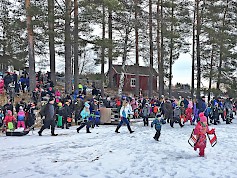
{"x": 212, "y": 131}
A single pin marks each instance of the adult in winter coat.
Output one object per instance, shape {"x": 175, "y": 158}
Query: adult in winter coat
{"x": 49, "y": 118}
{"x": 7, "y": 107}
{"x": 200, "y": 131}
{"x": 78, "y": 106}
{"x": 176, "y": 117}
{"x": 145, "y": 114}
{"x": 228, "y": 106}
{"x": 66, "y": 114}
{"x": 85, "y": 114}
{"x": 168, "y": 109}
{"x": 201, "y": 105}
{"x": 125, "y": 110}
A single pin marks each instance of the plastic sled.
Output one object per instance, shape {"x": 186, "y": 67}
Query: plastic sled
{"x": 192, "y": 139}
{"x": 17, "y": 132}
{"x": 213, "y": 139}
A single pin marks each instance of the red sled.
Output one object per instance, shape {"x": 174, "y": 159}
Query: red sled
{"x": 192, "y": 139}
{"x": 213, "y": 139}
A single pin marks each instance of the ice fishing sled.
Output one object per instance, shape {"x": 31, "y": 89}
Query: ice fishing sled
{"x": 213, "y": 139}
{"x": 193, "y": 139}
{"x": 17, "y": 132}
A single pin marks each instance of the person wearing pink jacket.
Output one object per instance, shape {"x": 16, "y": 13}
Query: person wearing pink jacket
{"x": 200, "y": 131}
{"x": 21, "y": 118}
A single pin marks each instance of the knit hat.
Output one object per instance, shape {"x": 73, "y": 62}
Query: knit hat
{"x": 20, "y": 108}
{"x": 9, "y": 112}
{"x": 158, "y": 115}
{"x": 201, "y": 114}
{"x": 87, "y": 105}
{"x": 60, "y": 104}
{"x": 203, "y": 119}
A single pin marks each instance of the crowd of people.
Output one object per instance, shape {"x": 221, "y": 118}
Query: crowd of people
{"x": 63, "y": 111}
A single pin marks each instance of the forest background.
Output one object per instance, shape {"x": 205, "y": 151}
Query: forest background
{"x": 83, "y": 34}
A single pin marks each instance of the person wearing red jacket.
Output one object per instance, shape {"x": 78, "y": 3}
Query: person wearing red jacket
{"x": 9, "y": 118}
{"x": 200, "y": 131}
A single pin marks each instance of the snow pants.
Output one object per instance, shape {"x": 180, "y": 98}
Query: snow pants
{"x": 21, "y": 124}
{"x": 157, "y": 135}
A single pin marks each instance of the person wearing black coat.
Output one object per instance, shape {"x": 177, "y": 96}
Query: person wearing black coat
{"x": 66, "y": 114}
{"x": 8, "y": 106}
{"x": 49, "y": 118}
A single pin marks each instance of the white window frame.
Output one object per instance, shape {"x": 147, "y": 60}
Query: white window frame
{"x": 133, "y": 82}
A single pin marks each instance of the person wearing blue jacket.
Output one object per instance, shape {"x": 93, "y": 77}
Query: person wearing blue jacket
{"x": 202, "y": 106}
{"x": 157, "y": 122}
{"x": 85, "y": 114}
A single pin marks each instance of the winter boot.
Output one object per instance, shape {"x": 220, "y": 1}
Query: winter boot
{"x": 130, "y": 130}
{"x": 201, "y": 152}
{"x": 87, "y": 130}
{"x": 79, "y": 128}
{"x": 117, "y": 129}
{"x": 52, "y": 132}
{"x": 172, "y": 123}
{"x": 40, "y": 132}
{"x": 157, "y": 136}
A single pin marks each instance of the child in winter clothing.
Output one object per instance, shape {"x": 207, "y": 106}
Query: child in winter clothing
{"x": 215, "y": 115}
{"x": 85, "y": 114}
{"x": 188, "y": 113}
{"x": 59, "y": 113}
{"x": 157, "y": 122}
{"x": 200, "y": 131}
{"x": 97, "y": 118}
{"x": 9, "y": 120}
{"x": 176, "y": 117}
{"x": 21, "y": 118}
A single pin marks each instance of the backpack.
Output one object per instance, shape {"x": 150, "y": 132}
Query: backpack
{"x": 43, "y": 110}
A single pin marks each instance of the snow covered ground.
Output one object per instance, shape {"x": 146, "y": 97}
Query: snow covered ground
{"x": 105, "y": 154}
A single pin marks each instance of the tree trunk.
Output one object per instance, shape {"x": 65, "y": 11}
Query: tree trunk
{"x": 171, "y": 51}
{"x": 76, "y": 62}
{"x": 122, "y": 76}
{"x": 158, "y": 40}
{"x": 103, "y": 54}
{"x": 193, "y": 54}
{"x": 137, "y": 89}
{"x": 198, "y": 49}
{"x": 68, "y": 60}
{"x": 211, "y": 73}
{"x": 221, "y": 49}
{"x": 161, "y": 71}
{"x": 151, "y": 51}
{"x": 32, "y": 76}
{"x": 51, "y": 39}
{"x": 110, "y": 50}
